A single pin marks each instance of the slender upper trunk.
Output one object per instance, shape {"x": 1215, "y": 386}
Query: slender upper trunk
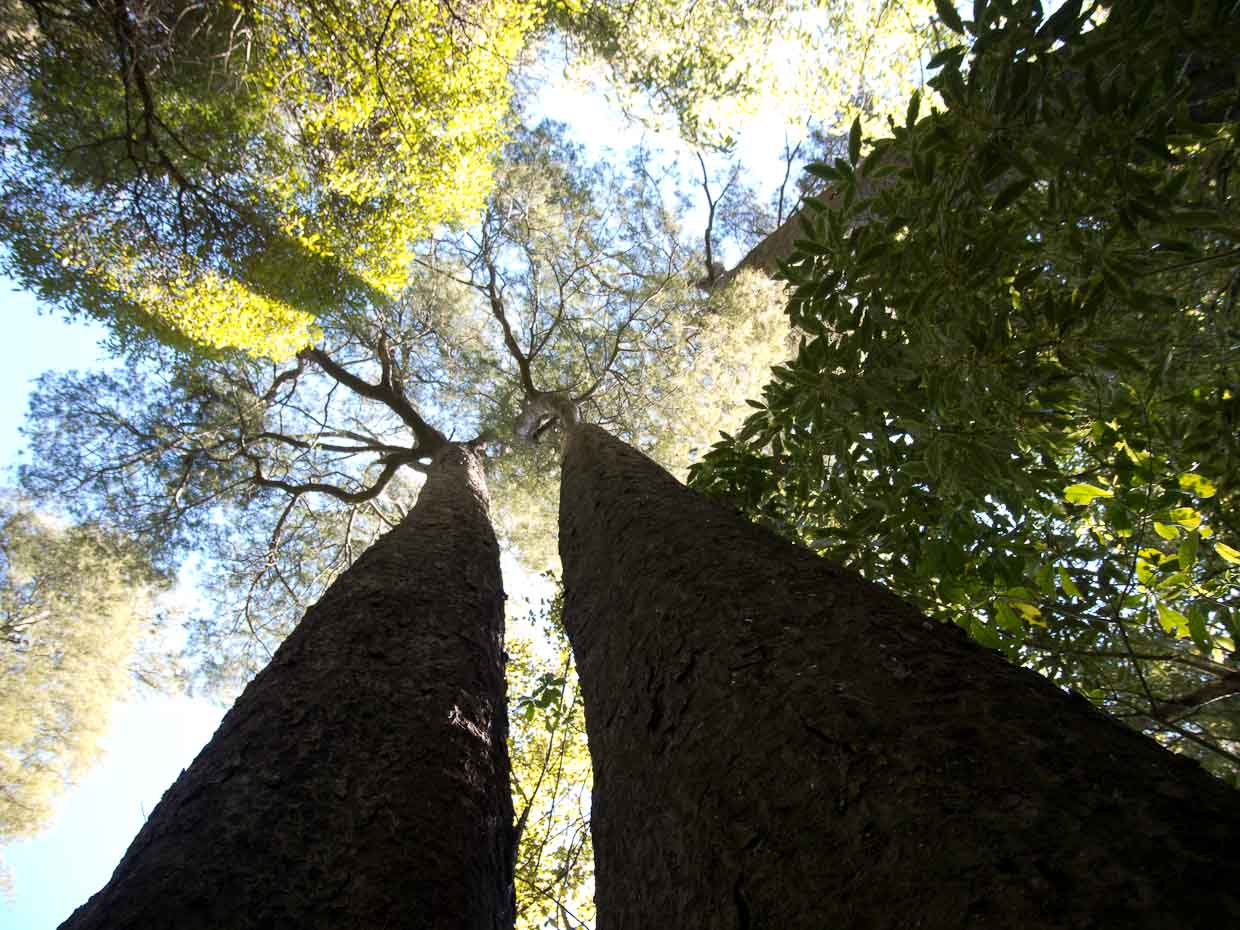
{"x": 361, "y": 779}
{"x": 779, "y": 743}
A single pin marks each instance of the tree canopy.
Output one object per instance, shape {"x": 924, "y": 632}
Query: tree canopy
{"x": 1014, "y": 397}
{"x": 705, "y": 67}
{"x": 575, "y": 289}
{"x": 77, "y": 614}
{"x": 223, "y": 174}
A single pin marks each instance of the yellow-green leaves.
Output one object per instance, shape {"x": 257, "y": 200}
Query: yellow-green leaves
{"x": 275, "y": 165}
{"x": 1186, "y": 517}
{"x": 1012, "y": 613}
{"x": 1007, "y": 619}
{"x": 219, "y": 312}
{"x": 1197, "y": 485}
{"x": 401, "y": 143}
{"x": 550, "y": 774}
{"x": 710, "y": 66}
{"x": 1227, "y": 553}
{"x": 738, "y": 337}
{"x": 1084, "y": 493}
{"x": 1172, "y": 620}
{"x": 1166, "y": 531}
{"x": 75, "y": 603}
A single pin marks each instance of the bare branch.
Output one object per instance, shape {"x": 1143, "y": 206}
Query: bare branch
{"x": 391, "y": 466}
{"x": 1178, "y": 707}
{"x": 510, "y": 341}
{"x": 428, "y": 438}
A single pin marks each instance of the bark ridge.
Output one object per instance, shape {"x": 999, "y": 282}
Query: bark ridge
{"x": 361, "y": 779}
{"x": 778, "y": 743}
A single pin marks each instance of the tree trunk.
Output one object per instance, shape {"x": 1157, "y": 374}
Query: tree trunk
{"x": 361, "y": 779}
{"x": 778, "y": 743}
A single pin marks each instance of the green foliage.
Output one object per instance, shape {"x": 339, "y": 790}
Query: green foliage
{"x": 76, "y": 613}
{"x": 223, "y": 174}
{"x": 707, "y": 65}
{"x": 1016, "y": 395}
{"x": 590, "y": 273}
{"x": 712, "y": 354}
{"x": 550, "y": 774}
{"x": 726, "y": 351}
{"x": 166, "y": 453}
{"x": 593, "y": 280}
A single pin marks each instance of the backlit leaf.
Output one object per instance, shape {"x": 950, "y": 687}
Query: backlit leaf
{"x": 1084, "y": 493}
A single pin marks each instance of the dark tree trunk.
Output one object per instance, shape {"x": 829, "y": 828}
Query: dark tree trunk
{"x": 361, "y": 779}
{"x": 780, "y": 744}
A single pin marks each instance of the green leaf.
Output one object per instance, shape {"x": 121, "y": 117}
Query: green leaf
{"x": 1046, "y": 579}
{"x": 1084, "y": 493}
{"x": 1068, "y": 585}
{"x": 914, "y": 106}
{"x": 1197, "y": 627}
{"x": 1188, "y": 551}
{"x": 1185, "y": 516}
{"x": 1010, "y": 193}
{"x": 948, "y": 56}
{"x": 854, "y": 141}
{"x": 947, "y": 13}
{"x": 1197, "y": 485}
{"x": 1172, "y": 620}
{"x": 1174, "y": 581}
{"x": 822, "y": 170}
{"x": 985, "y": 635}
{"x": 1028, "y": 611}
{"x": 1227, "y": 553}
{"x": 1063, "y": 22}
{"x": 1006, "y": 617}
{"x": 1165, "y": 531}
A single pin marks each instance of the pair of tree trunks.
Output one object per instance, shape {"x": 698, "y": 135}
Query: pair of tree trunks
{"x": 361, "y": 779}
{"x": 776, "y": 743}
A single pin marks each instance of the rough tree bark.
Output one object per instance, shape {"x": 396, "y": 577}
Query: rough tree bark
{"x": 779, "y": 743}
{"x": 361, "y": 779}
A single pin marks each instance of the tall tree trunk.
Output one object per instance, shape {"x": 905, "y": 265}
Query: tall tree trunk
{"x": 361, "y": 779}
{"x": 779, "y": 743}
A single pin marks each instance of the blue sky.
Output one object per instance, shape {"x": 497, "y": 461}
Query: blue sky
{"x": 33, "y": 344}
{"x": 151, "y": 739}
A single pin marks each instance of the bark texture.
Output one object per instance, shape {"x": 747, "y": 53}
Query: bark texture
{"x": 361, "y": 779}
{"x": 779, "y": 245}
{"x": 780, "y": 744}
{"x": 767, "y": 254}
